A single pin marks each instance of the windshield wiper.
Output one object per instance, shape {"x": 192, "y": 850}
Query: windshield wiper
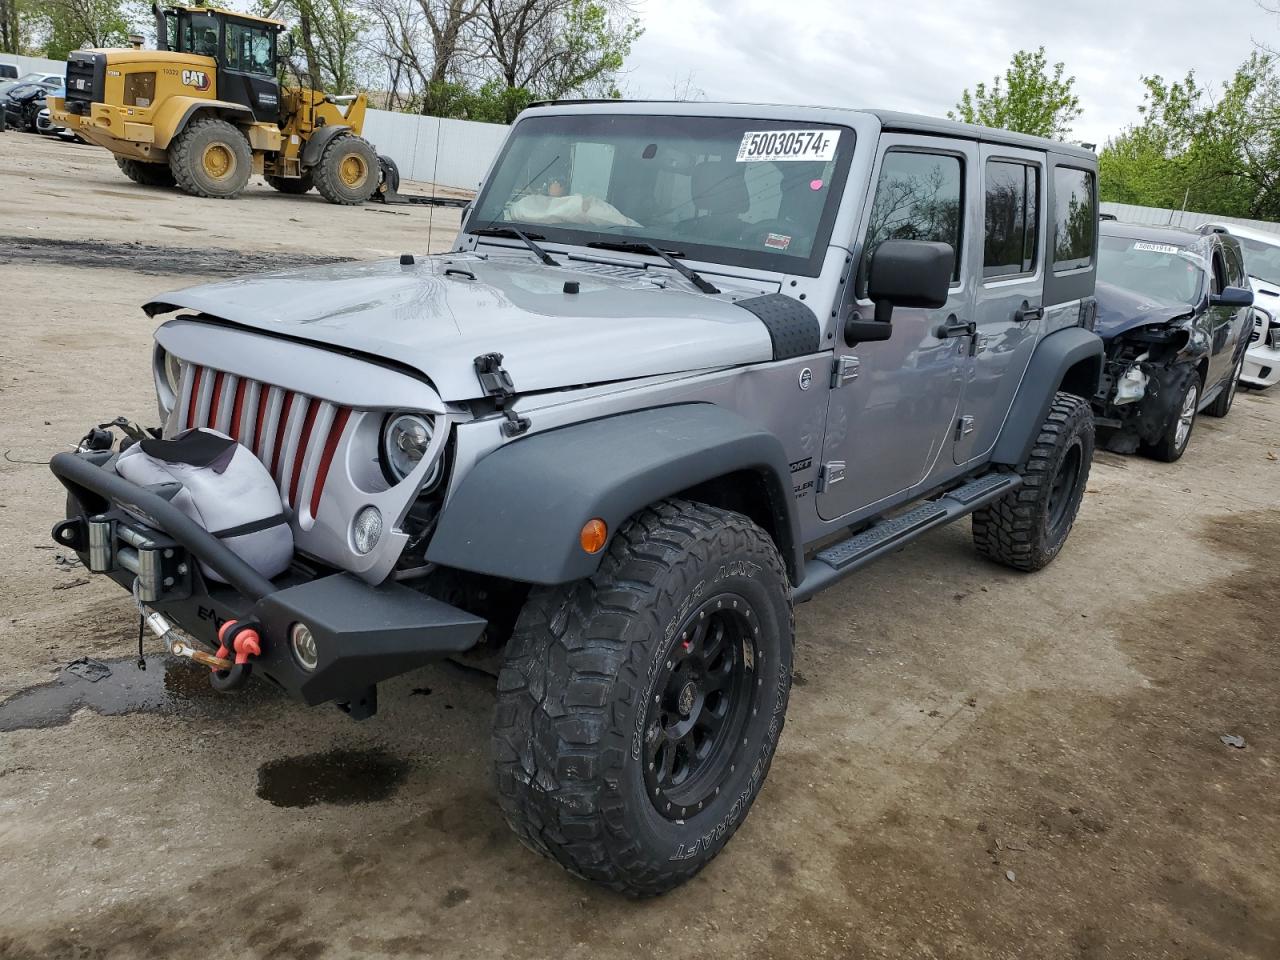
{"x": 640, "y": 246}
{"x": 538, "y": 252}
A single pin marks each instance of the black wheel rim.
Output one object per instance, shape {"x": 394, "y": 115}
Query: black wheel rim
{"x": 1062, "y": 491}
{"x": 700, "y": 703}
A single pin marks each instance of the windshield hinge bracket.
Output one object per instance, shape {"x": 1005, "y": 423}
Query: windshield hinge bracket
{"x": 496, "y": 383}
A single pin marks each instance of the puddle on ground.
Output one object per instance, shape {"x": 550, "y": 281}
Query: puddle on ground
{"x": 168, "y": 685}
{"x": 341, "y": 777}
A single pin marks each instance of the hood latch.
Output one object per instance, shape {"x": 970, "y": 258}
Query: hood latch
{"x": 496, "y": 383}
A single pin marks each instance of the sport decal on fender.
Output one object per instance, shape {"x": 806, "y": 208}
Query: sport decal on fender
{"x": 196, "y": 78}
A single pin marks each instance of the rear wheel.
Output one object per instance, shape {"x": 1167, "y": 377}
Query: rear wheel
{"x": 348, "y": 170}
{"x": 1182, "y": 420}
{"x": 211, "y": 158}
{"x": 1026, "y": 529}
{"x": 292, "y": 185}
{"x": 146, "y": 174}
{"x": 1221, "y": 405}
{"x": 638, "y": 710}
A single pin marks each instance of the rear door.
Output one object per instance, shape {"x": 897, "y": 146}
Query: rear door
{"x": 1009, "y": 299}
{"x": 893, "y": 405}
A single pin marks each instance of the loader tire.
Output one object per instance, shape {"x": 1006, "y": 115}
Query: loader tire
{"x": 292, "y": 185}
{"x": 348, "y": 170}
{"x": 211, "y": 158}
{"x": 146, "y": 174}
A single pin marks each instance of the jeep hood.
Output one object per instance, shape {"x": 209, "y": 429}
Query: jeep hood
{"x": 1121, "y": 310}
{"x": 439, "y": 314}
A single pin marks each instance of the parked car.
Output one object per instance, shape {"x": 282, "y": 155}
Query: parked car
{"x": 8, "y": 71}
{"x": 1262, "y": 263}
{"x": 687, "y": 365}
{"x": 1175, "y": 312}
{"x": 24, "y": 102}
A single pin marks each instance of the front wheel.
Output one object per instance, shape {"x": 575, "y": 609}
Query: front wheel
{"x": 1182, "y": 420}
{"x": 638, "y": 711}
{"x": 1026, "y": 529}
{"x": 211, "y": 158}
{"x": 348, "y": 170}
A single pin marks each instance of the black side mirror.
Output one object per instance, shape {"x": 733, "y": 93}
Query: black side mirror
{"x": 1232, "y": 297}
{"x": 903, "y": 273}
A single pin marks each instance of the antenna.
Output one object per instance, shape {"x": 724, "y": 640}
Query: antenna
{"x": 435, "y": 171}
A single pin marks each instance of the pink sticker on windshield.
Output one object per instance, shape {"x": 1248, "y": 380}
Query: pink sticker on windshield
{"x": 778, "y": 241}
{"x": 815, "y": 184}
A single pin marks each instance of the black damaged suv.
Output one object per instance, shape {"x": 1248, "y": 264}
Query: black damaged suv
{"x": 1175, "y": 312}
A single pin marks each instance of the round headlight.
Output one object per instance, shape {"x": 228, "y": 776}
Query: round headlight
{"x": 303, "y": 642}
{"x": 405, "y": 441}
{"x": 366, "y": 529}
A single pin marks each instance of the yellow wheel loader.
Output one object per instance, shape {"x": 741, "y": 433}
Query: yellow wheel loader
{"x": 205, "y": 111}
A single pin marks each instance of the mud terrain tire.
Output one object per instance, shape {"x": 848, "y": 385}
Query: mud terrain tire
{"x": 211, "y": 158}
{"x": 602, "y": 676}
{"x": 348, "y": 170}
{"x": 146, "y": 174}
{"x": 1025, "y": 529}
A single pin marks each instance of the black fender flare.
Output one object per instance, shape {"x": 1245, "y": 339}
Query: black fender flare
{"x": 1069, "y": 359}
{"x": 519, "y": 512}
{"x": 313, "y": 150}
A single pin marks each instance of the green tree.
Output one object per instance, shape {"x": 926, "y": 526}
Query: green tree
{"x": 65, "y": 25}
{"x": 327, "y": 38}
{"x": 1217, "y": 155}
{"x": 1030, "y": 98}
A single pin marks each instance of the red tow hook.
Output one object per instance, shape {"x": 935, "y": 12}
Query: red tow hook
{"x": 242, "y": 638}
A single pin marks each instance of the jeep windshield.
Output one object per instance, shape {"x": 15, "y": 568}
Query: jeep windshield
{"x": 1161, "y": 272}
{"x": 753, "y": 193}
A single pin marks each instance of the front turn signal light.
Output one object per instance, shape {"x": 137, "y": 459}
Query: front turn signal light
{"x": 593, "y": 536}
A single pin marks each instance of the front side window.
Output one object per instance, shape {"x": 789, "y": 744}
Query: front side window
{"x": 249, "y": 49}
{"x": 1012, "y": 218}
{"x": 199, "y": 34}
{"x": 1075, "y": 218}
{"x": 755, "y": 193}
{"x": 1155, "y": 271}
{"x": 918, "y": 197}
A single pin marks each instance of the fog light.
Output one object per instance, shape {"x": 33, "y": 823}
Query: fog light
{"x": 304, "y": 646}
{"x": 366, "y": 529}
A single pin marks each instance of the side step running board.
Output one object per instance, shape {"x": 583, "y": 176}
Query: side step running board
{"x": 840, "y": 559}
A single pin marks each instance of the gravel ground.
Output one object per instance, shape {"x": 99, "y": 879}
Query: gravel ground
{"x": 976, "y": 763}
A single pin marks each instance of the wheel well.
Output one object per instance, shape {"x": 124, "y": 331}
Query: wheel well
{"x": 1082, "y": 378}
{"x": 1202, "y": 368}
{"x": 746, "y": 492}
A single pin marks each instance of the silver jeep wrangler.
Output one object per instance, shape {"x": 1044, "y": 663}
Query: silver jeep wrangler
{"x": 687, "y": 365}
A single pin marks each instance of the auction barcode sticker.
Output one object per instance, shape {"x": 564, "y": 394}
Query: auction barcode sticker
{"x": 777, "y": 145}
{"x": 1155, "y": 247}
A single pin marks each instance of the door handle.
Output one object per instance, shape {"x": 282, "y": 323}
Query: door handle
{"x": 1026, "y": 313}
{"x": 955, "y": 328}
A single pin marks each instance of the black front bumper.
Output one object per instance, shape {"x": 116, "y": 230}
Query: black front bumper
{"x": 364, "y": 633}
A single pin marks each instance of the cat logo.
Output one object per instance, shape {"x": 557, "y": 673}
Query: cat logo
{"x": 196, "y": 78}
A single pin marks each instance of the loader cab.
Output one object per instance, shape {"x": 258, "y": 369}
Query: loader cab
{"x": 244, "y": 47}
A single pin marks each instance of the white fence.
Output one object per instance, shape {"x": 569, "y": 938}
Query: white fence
{"x": 452, "y": 153}
{"x": 1159, "y": 216}
{"x": 35, "y": 64}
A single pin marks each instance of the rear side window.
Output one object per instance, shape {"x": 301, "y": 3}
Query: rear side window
{"x": 918, "y": 197}
{"x": 1075, "y": 218}
{"x": 1012, "y": 218}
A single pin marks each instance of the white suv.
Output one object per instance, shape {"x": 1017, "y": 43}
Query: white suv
{"x": 1262, "y": 263}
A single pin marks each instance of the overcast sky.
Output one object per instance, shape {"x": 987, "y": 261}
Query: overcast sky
{"x": 918, "y": 55}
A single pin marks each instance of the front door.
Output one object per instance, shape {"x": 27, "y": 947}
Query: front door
{"x": 892, "y": 411}
{"x": 1009, "y": 299}
{"x": 247, "y": 69}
